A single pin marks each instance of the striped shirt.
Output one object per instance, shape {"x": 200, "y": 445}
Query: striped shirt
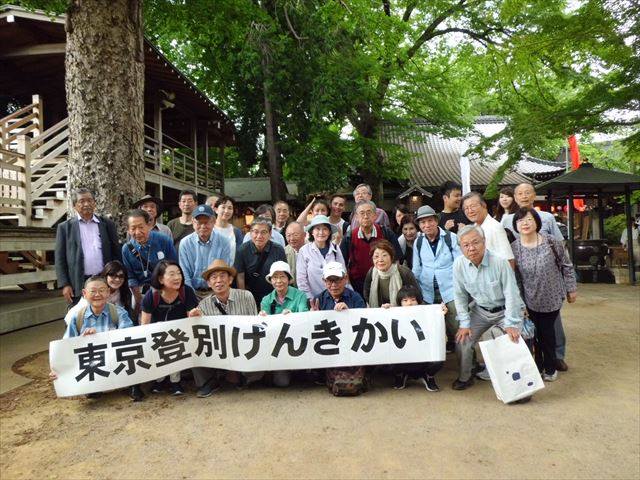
{"x": 240, "y": 302}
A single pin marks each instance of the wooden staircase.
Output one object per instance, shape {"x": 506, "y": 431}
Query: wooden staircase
{"x": 33, "y": 168}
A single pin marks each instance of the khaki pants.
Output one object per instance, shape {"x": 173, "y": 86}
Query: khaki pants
{"x": 481, "y": 321}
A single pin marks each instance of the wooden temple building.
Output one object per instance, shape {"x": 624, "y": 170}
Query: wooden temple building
{"x": 185, "y": 137}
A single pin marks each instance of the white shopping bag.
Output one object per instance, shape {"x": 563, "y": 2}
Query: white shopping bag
{"x": 514, "y": 374}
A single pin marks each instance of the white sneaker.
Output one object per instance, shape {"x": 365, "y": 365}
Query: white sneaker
{"x": 484, "y": 375}
{"x": 550, "y": 378}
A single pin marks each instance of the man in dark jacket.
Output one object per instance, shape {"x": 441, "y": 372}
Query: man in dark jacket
{"x": 84, "y": 244}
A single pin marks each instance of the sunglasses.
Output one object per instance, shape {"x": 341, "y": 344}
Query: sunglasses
{"x": 116, "y": 275}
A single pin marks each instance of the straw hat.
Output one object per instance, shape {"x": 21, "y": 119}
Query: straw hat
{"x": 218, "y": 265}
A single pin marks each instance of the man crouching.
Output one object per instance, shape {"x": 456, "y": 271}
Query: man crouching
{"x": 99, "y": 316}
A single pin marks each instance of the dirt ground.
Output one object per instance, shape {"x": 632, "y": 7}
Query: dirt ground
{"x": 585, "y": 425}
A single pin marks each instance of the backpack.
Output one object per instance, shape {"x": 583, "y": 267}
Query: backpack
{"x": 113, "y": 315}
{"x": 156, "y": 296}
{"x": 348, "y": 381}
{"x": 447, "y": 240}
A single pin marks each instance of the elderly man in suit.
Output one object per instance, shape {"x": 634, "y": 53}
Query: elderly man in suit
{"x": 84, "y": 244}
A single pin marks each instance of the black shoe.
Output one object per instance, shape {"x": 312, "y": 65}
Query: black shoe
{"x": 400, "y": 381}
{"x": 451, "y": 347}
{"x": 242, "y": 383}
{"x": 94, "y": 395}
{"x": 176, "y": 388}
{"x": 212, "y": 385}
{"x": 524, "y": 400}
{"x": 136, "y": 393}
{"x": 460, "y": 385}
{"x": 318, "y": 377}
{"x": 429, "y": 382}
{"x": 158, "y": 387}
{"x": 561, "y": 365}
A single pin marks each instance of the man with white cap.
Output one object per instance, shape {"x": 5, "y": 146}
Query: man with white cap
{"x": 336, "y": 296}
{"x": 313, "y": 256}
{"x": 200, "y": 248}
{"x": 433, "y": 255}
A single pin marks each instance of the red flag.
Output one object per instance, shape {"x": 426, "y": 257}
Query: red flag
{"x": 574, "y": 153}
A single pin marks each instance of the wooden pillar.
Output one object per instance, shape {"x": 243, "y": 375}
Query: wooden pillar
{"x": 627, "y": 211}
{"x": 207, "y": 182}
{"x": 24, "y": 147}
{"x": 194, "y": 146}
{"x": 37, "y": 109}
{"x": 570, "y": 228}
{"x": 221, "y": 157}
{"x": 600, "y": 214}
{"x": 157, "y": 135}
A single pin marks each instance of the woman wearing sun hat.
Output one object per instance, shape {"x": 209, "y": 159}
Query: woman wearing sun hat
{"x": 284, "y": 299}
{"x": 315, "y": 254}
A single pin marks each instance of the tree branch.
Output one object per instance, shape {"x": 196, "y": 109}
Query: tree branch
{"x": 387, "y": 7}
{"x": 427, "y": 34}
{"x": 408, "y": 11}
{"x": 481, "y": 37}
{"x": 291, "y": 29}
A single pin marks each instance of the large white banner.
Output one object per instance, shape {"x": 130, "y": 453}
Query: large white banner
{"x": 322, "y": 339}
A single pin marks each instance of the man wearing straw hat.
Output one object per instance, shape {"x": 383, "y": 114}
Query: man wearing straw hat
{"x": 223, "y": 301}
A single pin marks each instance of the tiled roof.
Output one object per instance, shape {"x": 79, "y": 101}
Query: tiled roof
{"x": 533, "y": 166}
{"x": 437, "y": 159}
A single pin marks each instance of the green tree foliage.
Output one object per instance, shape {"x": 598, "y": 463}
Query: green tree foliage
{"x": 336, "y": 71}
{"x": 577, "y": 72}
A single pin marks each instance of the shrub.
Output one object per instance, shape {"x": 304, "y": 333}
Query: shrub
{"x": 613, "y": 227}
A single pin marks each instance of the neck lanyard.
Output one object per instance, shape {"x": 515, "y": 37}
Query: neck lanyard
{"x": 145, "y": 269}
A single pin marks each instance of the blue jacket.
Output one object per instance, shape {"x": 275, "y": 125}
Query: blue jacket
{"x": 426, "y": 266}
{"x": 139, "y": 269}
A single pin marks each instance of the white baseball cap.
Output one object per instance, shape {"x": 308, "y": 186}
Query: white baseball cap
{"x": 279, "y": 266}
{"x": 333, "y": 269}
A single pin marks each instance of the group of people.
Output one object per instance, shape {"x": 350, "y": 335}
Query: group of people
{"x": 509, "y": 273}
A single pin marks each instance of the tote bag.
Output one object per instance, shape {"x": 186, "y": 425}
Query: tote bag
{"x": 514, "y": 374}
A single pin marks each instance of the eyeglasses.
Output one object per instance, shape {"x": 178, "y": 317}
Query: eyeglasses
{"x": 366, "y": 213}
{"x": 471, "y": 206}
{"x": 525, "y": 220}
{"x": 116, "y": 275}
{"x": 99, "y": 291}
{"x": 333, "y": 281}
{"x": 474, "y": 244}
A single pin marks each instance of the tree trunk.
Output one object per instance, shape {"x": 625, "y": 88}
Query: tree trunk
{"x": 278, "y": 187}
{"x": 105, "y": 100}
{"x": 372, "y": 169}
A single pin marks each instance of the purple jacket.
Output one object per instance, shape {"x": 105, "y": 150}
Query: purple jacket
{"x": 309, "y": 265}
